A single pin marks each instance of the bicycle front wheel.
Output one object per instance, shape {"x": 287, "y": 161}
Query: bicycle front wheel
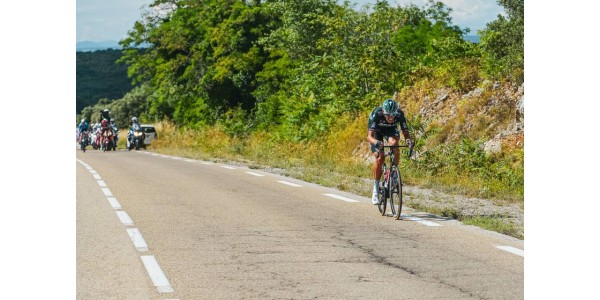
{"x": 395, "y": 192}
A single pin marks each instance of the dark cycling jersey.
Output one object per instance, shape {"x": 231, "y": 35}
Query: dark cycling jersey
{"x": 378, "y": 123}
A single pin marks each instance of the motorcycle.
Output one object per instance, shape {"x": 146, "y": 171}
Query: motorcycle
{"x": 83, "y": 140}
{"x": 116, "y": 139}
{"x": 95, "y": 140}
{"x": 135, "y": 138}
{"x": 107, "y": 140}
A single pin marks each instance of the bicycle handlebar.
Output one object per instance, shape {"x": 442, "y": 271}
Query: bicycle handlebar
{"x": 395, "y": 146}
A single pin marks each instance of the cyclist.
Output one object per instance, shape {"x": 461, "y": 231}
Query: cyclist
{"x": 383, "y": 122}
{"x": 83, "y": 126}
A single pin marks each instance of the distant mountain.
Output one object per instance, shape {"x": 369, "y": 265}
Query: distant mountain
{"x": 93, "y": 46}
{"x": 472, "y": 38}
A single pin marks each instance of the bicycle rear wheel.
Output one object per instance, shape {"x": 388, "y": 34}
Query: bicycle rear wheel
{"x": 395, "y": 192}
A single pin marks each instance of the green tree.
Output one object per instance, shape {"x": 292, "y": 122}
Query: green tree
{"x": 502, "y": 43}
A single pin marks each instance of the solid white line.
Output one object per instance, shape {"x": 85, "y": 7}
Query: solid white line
{"x": 101, "y": 183}
{"x": 341, "y": 198}
{"x": 125, "y": 219}
{"x": 190, "y": 160}
{"x": 228, "y": 167}
{"x": 114, "y": 203}
{"x": 289, "y": 183}
{"x": 137, "y": 239}
{"x": 207, "y": 163}
{"x": 175, "y": 157}
{"x": 255, "y": 174}
{"x": 97, "y": 177}
{"x": 512, "y": 250}
{"x": 107, "y": 192}
{"x": 419, "y": 220}
{"x": 156, "y": 274}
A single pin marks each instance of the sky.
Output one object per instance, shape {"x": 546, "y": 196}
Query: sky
{"x": 110, "y": 20}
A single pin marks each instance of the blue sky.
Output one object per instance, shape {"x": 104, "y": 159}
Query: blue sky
{"x": 109, "y": 20}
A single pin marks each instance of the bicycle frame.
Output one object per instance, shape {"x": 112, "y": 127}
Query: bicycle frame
{"x": 386, "y": 187}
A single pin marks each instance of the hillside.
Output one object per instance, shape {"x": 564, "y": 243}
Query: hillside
{"x": 99, "y": 76}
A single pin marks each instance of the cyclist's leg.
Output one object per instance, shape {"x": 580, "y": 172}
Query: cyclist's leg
{"x": 393, "y": 139}
{"x": 377, "y": 167}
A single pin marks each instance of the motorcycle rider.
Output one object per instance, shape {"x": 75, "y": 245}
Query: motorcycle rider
{"x": 105, "y": 114}
{"x": 135, "y": 125}
{"x": 115, "y": 130}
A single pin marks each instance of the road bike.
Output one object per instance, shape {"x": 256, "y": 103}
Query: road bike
{"x": 390, "y": 188}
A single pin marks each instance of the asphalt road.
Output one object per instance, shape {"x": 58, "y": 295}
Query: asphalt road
{"x": 151, "y": 226}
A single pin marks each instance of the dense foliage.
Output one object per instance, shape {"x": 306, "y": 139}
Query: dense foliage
{"x": 293, "y": 71}
{"x": 98, "y": 76}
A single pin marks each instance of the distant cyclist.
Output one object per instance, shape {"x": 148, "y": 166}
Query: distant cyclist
{"x": 383, "y": 122}
{"x": 83, "y": 126}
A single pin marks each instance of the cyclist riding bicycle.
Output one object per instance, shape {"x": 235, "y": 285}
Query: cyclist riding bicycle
{"x": 383, "y": 122}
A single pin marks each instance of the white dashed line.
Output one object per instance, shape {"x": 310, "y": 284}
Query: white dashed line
{"x": 255, "y": 174}
{"x": 157, "y": 276}
{"x": 154, "y": 271}
{"x": 341, "y": 198}
{"x": 107, "y": 192}
{"x": 114, "y": 203}
{"x": 420, "y": 221}
{"x": 512, "y": 250}
{"x": 228, "y": 167}
{"x": 289, "y": 183}
{"x": 137, "y": 239}
{"x": 125, "y": 219}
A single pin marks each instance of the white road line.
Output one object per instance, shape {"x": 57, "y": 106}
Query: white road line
{"x": 512, "y": 250}
{"x": 124, "y": 217}
{"x": 97, "y": 177}
{"x": 93, "y": 172}
{"x": 107, "y": 192}
{"x": 419, "y": 220}
{"x": 101, "y": 183}
{"x": 190, "y": 160}
{"x": 255, "y": 174}
{"x": 289, "y": 183}
{"x": 341, "y": 198}
{"x": 175, "y": 157}
{"x": 228, "y": 167}
{"x": 156, "y": 274}
{"x": 137, "y": 239}
{"x": 114, "y": 203}
{"x": 207, "y": 163}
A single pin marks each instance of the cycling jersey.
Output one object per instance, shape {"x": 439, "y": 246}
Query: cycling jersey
{"x": 378, "y": 123}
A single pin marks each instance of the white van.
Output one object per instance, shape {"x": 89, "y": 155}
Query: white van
{"x": 150, "y": 132}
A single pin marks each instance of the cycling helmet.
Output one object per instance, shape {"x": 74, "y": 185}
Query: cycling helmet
{"x": 105, "y": 110}
{"x": 390, "y": 107}
{"x": 82, "y": 120}
{"x": 134, "y": 120}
